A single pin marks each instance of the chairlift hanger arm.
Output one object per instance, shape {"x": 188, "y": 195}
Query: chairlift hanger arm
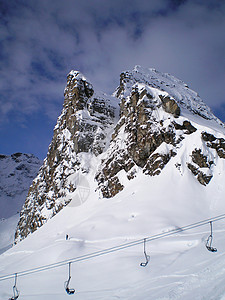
{"x": 15, "y": 290}
{"x": 209, "y": 240}
{"x": 69, "y": 291}
{"x": 147, "y": 257}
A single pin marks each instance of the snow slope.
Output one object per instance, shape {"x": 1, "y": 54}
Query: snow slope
{"x": 7, "y": 232}
{"x": 16, "y": 174}
{"x": 180, "y": 265}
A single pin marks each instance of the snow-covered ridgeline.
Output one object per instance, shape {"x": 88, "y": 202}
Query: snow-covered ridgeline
{"x": 176, "y": 88}
{"x": 159, "y": 118}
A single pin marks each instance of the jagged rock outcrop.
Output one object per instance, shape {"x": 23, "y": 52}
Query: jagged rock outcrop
{"x": 170, "y": 105}
{"x": 153, "y": 128}
{"x": 186, "y": 126}
{"x": 215, "y": 143}
{"x": 150, "y": 128}
{"x": 81, "y": 128}
{"x": 201, "y": 162}
{"x": 202, "y": 165}
{"x": 143, "y": 133}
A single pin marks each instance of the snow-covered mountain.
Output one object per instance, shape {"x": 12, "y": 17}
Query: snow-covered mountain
{"x": 17, "y": 171}
{"x": 159, "y": 118}
{"x": 148, "y": 160}
{"x": 159, "y": 115}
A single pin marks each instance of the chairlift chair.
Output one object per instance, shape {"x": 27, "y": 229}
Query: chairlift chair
{"x": 208, "y": 243}
{"x": 15, "y": 290}
{"x": 66, "y": 284}
{"x": 147, "y": 257}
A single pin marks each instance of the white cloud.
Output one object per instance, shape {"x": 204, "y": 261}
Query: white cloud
{"x": 43, "y": 42}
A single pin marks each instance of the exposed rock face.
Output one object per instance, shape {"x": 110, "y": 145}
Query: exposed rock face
{"x": 151, "y": 131}
{"x": 202, "y": 165}
{"x": 203, "y": 178}
{"x": 81, "y": 128}
{"x": 145, "y": 136}
{"x": 215, "y": 143}
{"x": 148, "y": 143}
{"x": 170, "y": 105}
{"x": 202, "y": 162}
{"x": 187, "y": 127}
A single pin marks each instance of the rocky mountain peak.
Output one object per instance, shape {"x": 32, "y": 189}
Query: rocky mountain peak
{"x": 78, "y": 90}
{"x": 80, "y": 133}
{"x": 153, "y": 121}
{"x": 186, "y": 98}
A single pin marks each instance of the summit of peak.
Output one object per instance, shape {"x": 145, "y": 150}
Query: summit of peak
{"x": 140, "y": 69}
{"x": 185, "y": 97}
{"x": 77, "y": 81}
{"x": 78, "y": 75}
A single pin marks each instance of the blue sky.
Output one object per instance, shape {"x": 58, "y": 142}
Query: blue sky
{"x": 41, "y": 41}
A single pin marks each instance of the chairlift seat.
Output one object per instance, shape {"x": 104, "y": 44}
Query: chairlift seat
{"x": 14, "y": 298}
{"x": 209, "y": 240}
{"x": 15, "y": 290}
{"x": 144, "y": 264}
{"x": 70, "y": 291}
{"x": 211, "y": 249}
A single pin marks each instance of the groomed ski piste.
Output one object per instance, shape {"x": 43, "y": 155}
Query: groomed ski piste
{"x": 180, "y": 266}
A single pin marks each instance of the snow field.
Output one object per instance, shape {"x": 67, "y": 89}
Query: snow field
{"x": 179, "y": 266}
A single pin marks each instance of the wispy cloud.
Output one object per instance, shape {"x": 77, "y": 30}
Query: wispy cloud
{"x": 42, "y": 41}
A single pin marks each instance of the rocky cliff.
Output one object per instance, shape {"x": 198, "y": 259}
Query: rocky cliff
{"x": 160, "y": 120}
{"x": 153, "y": 127}
{"x": 81, "y": 132}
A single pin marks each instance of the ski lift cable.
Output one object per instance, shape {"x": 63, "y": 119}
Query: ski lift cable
{"x": 112, "y": 249}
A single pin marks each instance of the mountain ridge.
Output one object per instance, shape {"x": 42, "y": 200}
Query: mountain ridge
{"x": 91, "y": 140}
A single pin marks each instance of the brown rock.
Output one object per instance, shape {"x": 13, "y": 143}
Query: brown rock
{"x": 170, "y": 105}
{"x": 216, "y": 143}
{"x": 187, "y": 127}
